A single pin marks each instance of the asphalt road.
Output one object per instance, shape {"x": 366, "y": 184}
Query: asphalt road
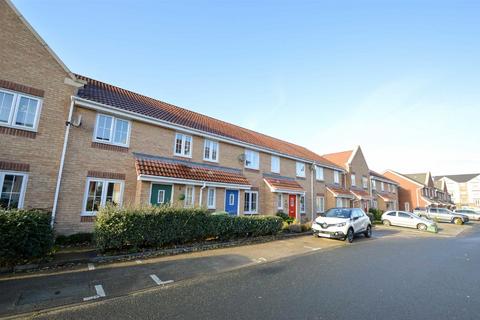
{"x": 390, "y": 278}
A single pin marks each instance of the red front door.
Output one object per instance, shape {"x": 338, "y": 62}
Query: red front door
{"x": 292, "y": 205}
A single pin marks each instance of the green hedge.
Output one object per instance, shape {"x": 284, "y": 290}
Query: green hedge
{"x": 74, "y": 239}
{"x": 118, "y": 228}
{"x": 24, "y": 235}
{"x": 377, "y": 214}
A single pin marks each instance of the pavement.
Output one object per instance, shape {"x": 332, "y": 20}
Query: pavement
{"x": 205, "y": 282}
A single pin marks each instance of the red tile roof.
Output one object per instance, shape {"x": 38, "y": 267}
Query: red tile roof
{"x": 284, "y": 184}
{"x": 360, "y": 194}
{"x": 339, "y": 191}
{"x": 133, "y": 102}
{"x": 156, "y": 167}
{"x": 339, "y": 158}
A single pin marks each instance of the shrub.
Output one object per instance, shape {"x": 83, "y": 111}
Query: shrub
{"x": 285, "y": 217}
{"x": 74, "y": 239}
{"x": 24, "y": 235}
{"x": 377, "y": 213}
{"x": 141, "y": 227}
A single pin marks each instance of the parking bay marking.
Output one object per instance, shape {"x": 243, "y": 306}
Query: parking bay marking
{"x": 100, "y": 293}
{"x": 312, "y": 248}
{"x": 158, "y": 281}
{"x": 91, "y": 267}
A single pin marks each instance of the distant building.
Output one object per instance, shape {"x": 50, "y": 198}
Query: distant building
{"x": 464, "y": 188}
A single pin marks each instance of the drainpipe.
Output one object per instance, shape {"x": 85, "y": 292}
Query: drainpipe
{"x": 311, "y": 189}
{"x": 201, "y": 193}
{"x": 62, "y": 161}
{"x": 417, "y": 197}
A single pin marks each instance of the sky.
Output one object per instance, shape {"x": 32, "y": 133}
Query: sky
{"x": 400, "y": 78}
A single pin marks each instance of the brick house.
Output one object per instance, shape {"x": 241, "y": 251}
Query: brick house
{"x": 35, "y": 91}
{"x": 418, "y": 190}
{"x": 355, "y": 189}
{"x": 384, "y": 192}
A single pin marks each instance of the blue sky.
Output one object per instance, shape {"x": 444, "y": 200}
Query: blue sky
{"x": 399, "y": 78}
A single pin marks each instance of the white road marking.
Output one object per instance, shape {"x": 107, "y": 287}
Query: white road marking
{"x": 261, "y": 259}
{"x": 312, "y": 248}
{"x": 91, "y": 267}
{"x": 138, "y": 261}
{"x": 100, "y": 293}
{"x": 158, "y": 281}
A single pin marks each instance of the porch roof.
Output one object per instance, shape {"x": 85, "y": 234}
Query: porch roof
{"x": 283, "y": 185}
{"x": 177, "y": 169}
{"x": 340, "y": 192}
{"x": 360, "y": 194}
{"x": 386, "y": 197}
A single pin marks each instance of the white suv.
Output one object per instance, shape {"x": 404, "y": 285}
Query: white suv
{"x": 342, "y": 223}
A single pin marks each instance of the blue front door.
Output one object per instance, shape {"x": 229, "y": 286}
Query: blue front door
{"x": 231, "y": 201}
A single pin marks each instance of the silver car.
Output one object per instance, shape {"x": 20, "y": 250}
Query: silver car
{"x": 471, "y": 214}
{"x": 407, "y": 219}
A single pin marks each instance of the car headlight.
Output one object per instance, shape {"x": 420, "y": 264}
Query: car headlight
{"x": 343, "y": 224}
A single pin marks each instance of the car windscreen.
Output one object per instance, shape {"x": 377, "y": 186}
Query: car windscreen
{"x": 339, "y": 213}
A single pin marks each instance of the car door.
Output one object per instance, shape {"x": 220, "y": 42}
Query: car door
{"x": 444, "y": 215}
{"x": 392, "y": 217}
{"x": 359, "y": 224}
{"x": 405, "y": 219}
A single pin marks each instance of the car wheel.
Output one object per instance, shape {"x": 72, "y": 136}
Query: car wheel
{"x": 421, "y": 227}
{"x": 458, "y": 221}
{"x": 350, "y": 235}
{"x": 368, "y": 232}
{"x": 386, "y": 223}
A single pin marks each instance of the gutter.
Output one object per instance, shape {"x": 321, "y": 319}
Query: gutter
{"x": 62, "y": 162}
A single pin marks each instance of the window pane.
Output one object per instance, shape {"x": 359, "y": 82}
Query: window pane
{"x": 246, "y": 206}
{"x": 253, "y": 202}
{"x": 113, "y": 193}
{"x": 6, "y": 100}
{"x": 10, "y": 195}
{"x": 207, "y": 150}
{"x": 94, "y": 198}
{"x": 121, "y": 131}
{"x": 178, "y": 144}
{"x": 188, "y": 143}
{"x": 211, "y": 198}
{"x": 104, "y": 128}
{"x": 214, "y": 146}
{"x": 27, "y": 109}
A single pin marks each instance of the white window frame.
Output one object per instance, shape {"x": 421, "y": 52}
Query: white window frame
{"x": 302, "y": 203}
{"x": 320, "y": 204}
{"x": 183, "y": 137}
{"x": 375, "y": 204}
{"x": 275, "y": 164}
{"x": 162, "y": 192}
{"x": 12, "y": 117}
{"x": 353, "y": 178}
{"x": 319, "y": 173}
{"x": 280, "y": 201}
{"x": 374, "y": 184}
{"x": 23, "y": 189}
{"x": 250, "y": 211}
{"x": 213, "y": 205}
{"x": 185, "y": 204}
{"x": 298, "y": 169}
{"x": 112, "y": 130}
{"x": 103, "y": 197}
{"x": 211, "y": 144}
{"x": 253, "y": 157}
{"x": 336, "y": 177}
{"x": 382, "y": 186}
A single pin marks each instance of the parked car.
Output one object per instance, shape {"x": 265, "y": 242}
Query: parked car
{"x": 441, "y": 215}
{"x": 342, "y": 223}
{"x": 471, "y": 214}
{"x": 407, "y": 219}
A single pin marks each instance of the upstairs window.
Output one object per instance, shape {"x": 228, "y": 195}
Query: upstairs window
{"x": 19, "y": 110}
{"x": 109, "y": 129}
{"x": 354, "y": 182}
{"x": 275, "y": 164}
{"x": 319, "y": 173}
{"x": 183, "y": 145}
{"x": 252, "y": 159}
{"x": 336, "y": 177}
{"x": 210, "y": 151}
{"x": 382, "y": 186}
{"x": 365, "y": 182}
{"x": 374, "y": 185}
{"x": 300, "y": 169}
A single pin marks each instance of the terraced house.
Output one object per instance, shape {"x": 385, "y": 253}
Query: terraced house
{"x": 355, "y": 191}
{"x": 72, "y": 144}
{"x": 384, "y": 192}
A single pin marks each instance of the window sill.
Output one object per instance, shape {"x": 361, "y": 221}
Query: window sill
{"x": 208, "y": 160}
{"x": 252, "y": 169}
{"x": 108, "y": 146}
{"x": 182, "y": 156}
{"x": 250, "y": 213}
{"x": 301, "y": 178}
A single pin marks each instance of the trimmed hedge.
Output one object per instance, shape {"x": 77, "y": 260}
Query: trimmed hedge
{"x": 74, "y": 239}
{"x": 24, "y": 235}
{"x": 141, "y": 227}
